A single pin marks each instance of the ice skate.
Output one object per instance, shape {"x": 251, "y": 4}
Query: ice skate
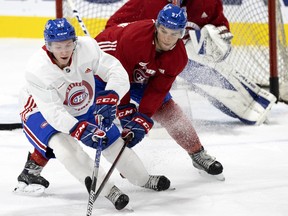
{"x": 157, "y": 183}
{"x": 29, "y": 190}
{"x": 207, "y": 165}
{"x": 118, "y": 198}
{"x": 30, "y": 181}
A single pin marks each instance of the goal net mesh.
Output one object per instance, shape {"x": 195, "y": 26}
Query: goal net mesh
{"x": 250, "y": 55}
{"x": 248, "y": 23}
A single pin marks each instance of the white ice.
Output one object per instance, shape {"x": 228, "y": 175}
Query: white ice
{"x": 254, "y": 158}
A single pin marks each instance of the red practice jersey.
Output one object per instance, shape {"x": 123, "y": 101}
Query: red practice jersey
{"x": 133, "y": 44}
{"x": 200, "y": 12}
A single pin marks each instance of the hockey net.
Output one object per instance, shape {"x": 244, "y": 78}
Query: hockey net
{"x": 250, "y": 55}
{"x": 94, "y": 13}
{"x": 248, "y": 23}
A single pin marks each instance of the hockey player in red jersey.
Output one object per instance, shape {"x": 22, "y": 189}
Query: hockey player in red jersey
{"x": 208, "y": 43}
{"x": 59, "y": 104}
{"x": 153, "y": 54}
{"x": 200, "y": 12}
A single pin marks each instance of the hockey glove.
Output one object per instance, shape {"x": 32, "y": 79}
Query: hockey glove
{"x": 88, "y": 134}
{"x": 224, "y": 34}
{"x": 189, "y": 27}
{"x": 217, "y": 41}
{"x": 106, "y": 105}
{"x": 138, "y": 126}
{"x": 125, "y": 113}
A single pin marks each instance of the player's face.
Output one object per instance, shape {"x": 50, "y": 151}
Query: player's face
{"x": 166, "y": 38}
{"x": 62, "y": 51}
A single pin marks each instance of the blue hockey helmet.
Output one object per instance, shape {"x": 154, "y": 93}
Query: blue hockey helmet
{"x": 172, "y": 17}
{"x": 58, "y": 30}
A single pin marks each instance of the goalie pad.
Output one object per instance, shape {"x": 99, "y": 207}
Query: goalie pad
{"x": 229, "y": 91}
{"x": 212, "y": 43}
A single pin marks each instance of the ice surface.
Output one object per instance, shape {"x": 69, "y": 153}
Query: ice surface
{"x": 254, "y": 158}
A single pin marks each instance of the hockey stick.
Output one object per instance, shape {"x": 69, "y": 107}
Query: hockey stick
{"x": 78, "y": 17}
{"x": 92, "y": 191}
{"x": 103, "y": 183}
{"x": 10, "y": 126}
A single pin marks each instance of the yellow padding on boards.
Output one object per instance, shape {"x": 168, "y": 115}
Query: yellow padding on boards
{"x": 33, "y": 27}
{"x": 93, "y": 25}
{"x": 22, "y": 27}
{"x": 254, "y": 34}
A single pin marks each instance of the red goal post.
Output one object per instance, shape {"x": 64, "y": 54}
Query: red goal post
{"x": 272, "y": 17}
{"x": 259, "y": 43}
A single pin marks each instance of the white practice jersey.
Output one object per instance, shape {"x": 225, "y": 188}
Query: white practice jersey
{"x": 62, "y": 94}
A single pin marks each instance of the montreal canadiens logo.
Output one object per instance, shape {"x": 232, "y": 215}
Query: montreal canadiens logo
{"x": 139, "y": 76}
{"x": 79, "y": 95}
{"x": 44, "y": 124}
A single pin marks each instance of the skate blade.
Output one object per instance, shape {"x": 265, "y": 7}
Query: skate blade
{"x": 128, "y": 208}
{"x": 219, "y": 177}
{"x": 171, "y": 189}
{"x": 29, "y": 190}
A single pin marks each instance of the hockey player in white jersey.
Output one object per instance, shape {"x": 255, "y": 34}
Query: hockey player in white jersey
{"x": 59, "y": 104}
